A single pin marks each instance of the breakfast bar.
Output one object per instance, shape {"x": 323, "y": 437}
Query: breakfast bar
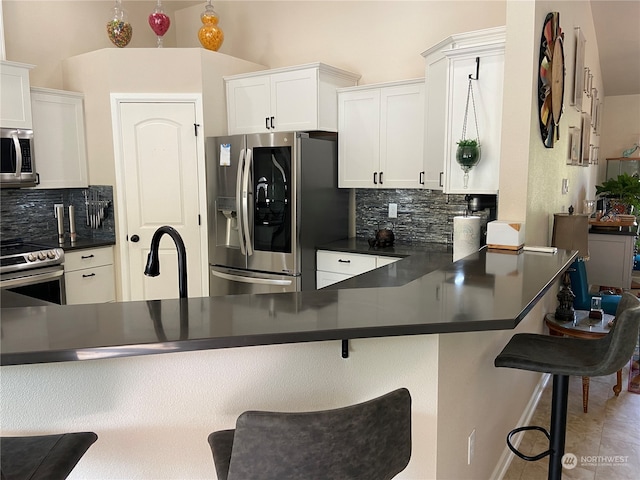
{"x": 104, "y": 367}
{"x": 485, "y": 291}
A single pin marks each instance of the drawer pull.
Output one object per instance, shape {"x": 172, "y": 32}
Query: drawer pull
{"x": 343, "y": 261}
{"x": 84, "y": 257}
{"x": 88, "y": 275}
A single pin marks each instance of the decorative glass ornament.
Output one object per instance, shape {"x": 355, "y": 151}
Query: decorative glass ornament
{"x": 210, "y": 34}
{"x": 468, "y": 152}
{"x": 159, "y": 22}
{"x": 118, "y": 28}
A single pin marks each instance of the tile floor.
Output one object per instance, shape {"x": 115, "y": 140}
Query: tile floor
{"x": 611, "y": 428}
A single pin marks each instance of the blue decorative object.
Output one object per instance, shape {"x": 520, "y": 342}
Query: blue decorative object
{"x": 627, "y": 153}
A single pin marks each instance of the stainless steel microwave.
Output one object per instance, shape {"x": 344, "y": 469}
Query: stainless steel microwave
{"x": 17, "y": 159}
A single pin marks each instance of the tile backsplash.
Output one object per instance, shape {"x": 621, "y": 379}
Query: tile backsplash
{"x": 423, "y": 215}
{"x": 29, "y": 213}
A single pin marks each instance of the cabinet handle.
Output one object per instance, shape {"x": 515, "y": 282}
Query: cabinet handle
{"x": 343, "y": 261}
{"x": 440, "y": 181}
{"x": 421, "y": 178}
{"x": 84, "y": 257}
{"x": 89, "y": 275}
{"x": 266, "y": 122}
{"x": 381, "y": 178}
{"x": 272, "y": 122}
{"x": 375, "y": 178}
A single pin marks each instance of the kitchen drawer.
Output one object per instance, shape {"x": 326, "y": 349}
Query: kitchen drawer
{"x": 382, "y": 261}
{"x": 324, "y": 279}
{"x": 94, "y": 257}
{"x": 90, "y": 285}
{"x": 347, "y": 263}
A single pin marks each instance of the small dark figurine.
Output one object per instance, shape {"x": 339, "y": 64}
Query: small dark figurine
{"x": 565, "y": 311}
{"x": 384, "y": 238}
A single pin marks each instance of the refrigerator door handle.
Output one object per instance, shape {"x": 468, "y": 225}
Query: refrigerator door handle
{"x": 243, "y": 279}
{"x": 239, "y": 201}
{"x": 245, "y": 201}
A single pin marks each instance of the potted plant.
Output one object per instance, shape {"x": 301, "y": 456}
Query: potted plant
{"x": 468, "y": 153}
{"x": 623, "y": 193}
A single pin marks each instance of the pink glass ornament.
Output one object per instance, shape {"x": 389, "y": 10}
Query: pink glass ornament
{"x": 159, "y": 22}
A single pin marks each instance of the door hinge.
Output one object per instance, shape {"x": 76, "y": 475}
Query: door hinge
{"x": 199, "y": 220}
{"x": 195, "y": 129}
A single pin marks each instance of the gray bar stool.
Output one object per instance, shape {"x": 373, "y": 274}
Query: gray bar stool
{"x": 367, "y": 441}
{"x": 564, "y": 356}
{"x": 43, "y": 457}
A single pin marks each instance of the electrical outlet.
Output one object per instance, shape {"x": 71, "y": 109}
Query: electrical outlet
{"x": 565, "y": 186}
{"x": 471, "y": 446}
{"x": 393, "y": 210}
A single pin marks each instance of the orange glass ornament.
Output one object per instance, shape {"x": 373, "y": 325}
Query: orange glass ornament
{"x": 210, "y": 34}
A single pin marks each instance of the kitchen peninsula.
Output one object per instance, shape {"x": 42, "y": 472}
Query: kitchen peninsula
{"x": 485, "y": 291}
{"x": 436, "y": 333}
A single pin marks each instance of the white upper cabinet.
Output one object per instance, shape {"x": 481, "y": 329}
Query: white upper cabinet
{"x": 448, "y": 67}
{"x": 15, "y": 97}
{"x": 381, "y": 132}
{"x": 59, "y": 138}
{"x": 285, "y": 99}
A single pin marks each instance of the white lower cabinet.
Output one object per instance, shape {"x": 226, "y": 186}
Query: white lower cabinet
{"x": 333, "y": 267}
{"x": 89, "y": 276}
{"x": 610, "y": 260}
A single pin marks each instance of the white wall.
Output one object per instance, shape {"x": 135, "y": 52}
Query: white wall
{"x": 620, "y": 126}
{"x": 545, "y": 167}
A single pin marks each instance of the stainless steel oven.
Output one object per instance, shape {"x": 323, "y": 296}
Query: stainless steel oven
{"x": 33, "y": 270}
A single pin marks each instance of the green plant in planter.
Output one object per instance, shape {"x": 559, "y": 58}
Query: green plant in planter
{"x": 625, "y": 188}
{"x": 467, "y": 156}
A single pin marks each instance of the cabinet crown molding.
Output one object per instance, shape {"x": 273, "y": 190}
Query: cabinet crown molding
{"x": 467, "y": 40}
{"x": 323, "y": 67}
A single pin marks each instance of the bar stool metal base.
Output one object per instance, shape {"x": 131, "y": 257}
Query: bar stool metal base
{"x": 557, "y": 436}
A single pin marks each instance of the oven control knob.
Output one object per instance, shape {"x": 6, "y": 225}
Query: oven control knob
{"x": 31, "y": 257}
{"x": 51, "y": 254}
{"x": 41, "y": 256}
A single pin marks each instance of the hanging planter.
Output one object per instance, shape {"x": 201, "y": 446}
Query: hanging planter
{"x": 468, "y": 151}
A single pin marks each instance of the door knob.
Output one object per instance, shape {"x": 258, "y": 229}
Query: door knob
{"x": 135, "y": 238}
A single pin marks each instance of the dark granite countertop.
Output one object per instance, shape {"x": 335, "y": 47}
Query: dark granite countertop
{"x": 399, "y": 249}
{"x": 484, "y": 291}
{"x": 79, "y": 244}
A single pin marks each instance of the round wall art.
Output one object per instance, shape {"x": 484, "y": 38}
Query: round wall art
{"x": 551, "y": 79}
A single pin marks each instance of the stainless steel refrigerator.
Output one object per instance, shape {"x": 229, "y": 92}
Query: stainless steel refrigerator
{"x": 272, "y": 199}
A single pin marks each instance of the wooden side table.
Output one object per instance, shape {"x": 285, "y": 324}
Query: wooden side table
{"x": 583, "y": 327}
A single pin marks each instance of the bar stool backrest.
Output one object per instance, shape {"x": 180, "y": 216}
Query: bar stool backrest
{"x": 368, "y": 441}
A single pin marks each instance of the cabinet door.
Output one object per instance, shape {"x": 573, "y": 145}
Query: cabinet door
{"x": 484, "y": 177}
{"x": 60, "y": 146}
{"x": 359, "y": 138}
{"x": 611, "y": 260}
{"x": 382, "y": 261}
{"x": 401, "y": 135}
{"x": 294, "y": 100}
{"x": 435, "y": 136}
{"x": 249, "y": 104}
{"x": 15, "y": 97}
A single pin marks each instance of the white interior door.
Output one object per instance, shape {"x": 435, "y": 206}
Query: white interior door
{"x": 159, "y": 165}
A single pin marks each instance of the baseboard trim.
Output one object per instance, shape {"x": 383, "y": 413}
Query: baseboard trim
{"x": 506, "y": 457}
